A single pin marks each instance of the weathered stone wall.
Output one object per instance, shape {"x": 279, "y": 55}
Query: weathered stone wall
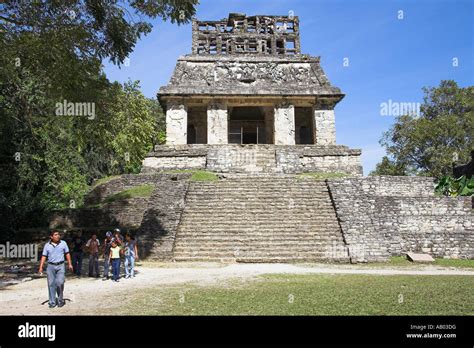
{"x": 157, "y": 232}
{"x": 241, "y": 159}
{"x": 324, "y": 127}
{"x": 176, "y": 124}
{"x": 217, "y": 123}
{"x": 175, "y": 157}
{"x": 302, "y": 159}
{"x": 267, "y": 158}
{"x": 384, "y": 216}
{"x": 175, "y": 162}
{"x": 126, "y": 213}
{"x": 116, "y": 185}
{"x": 284, "y": 125}
{"x": 153, "y": 219}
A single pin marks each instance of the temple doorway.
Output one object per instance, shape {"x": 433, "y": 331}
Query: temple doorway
{"x": 247, "y": 125}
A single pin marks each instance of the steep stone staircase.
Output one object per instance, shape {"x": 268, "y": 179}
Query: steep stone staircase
{"x": 259, "y": 219}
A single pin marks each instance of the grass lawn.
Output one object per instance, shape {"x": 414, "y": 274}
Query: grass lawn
{"x": 322, "y": 294}
{"x": 401, "y": 261}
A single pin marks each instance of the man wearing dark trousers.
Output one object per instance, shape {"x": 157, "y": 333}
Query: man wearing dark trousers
{"x": 77, "y": 253}
{"x": 54, "y": 252}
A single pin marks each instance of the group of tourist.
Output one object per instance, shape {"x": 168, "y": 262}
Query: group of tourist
{"x": 114, "y": 248}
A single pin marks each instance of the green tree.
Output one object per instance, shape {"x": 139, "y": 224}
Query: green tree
{"x": 425, "y": 145}
{"x": 51, "y": 51}
{"x": 94, "y": 28}
{"x": 389, "y": 167}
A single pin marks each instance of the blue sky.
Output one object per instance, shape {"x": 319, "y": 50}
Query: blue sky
{"x": 389, "y": 58}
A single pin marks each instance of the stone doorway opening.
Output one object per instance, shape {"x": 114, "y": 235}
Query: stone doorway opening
{"x": 304, "y": 126}
{"x": 248, "y": 125}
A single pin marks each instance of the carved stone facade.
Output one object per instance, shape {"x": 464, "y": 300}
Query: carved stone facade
{"x": 176, "y": 124}
{"x": 284, "y": 132}
{"x": 217, "y": 123}
{"x": 247, "y": 83}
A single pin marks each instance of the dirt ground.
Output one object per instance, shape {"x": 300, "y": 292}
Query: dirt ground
{"x": 89, "y": 296}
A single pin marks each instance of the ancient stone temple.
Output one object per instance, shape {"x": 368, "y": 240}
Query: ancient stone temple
{"x": 258, "y": 116}
{"x": 247, "y": 83}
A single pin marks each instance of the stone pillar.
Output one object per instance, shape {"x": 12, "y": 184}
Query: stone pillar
{"x": 284, "y": 124}
{"x": 324, "y": 124}
{"x": 176, "y": 123}
{"x": 217, "y": 123}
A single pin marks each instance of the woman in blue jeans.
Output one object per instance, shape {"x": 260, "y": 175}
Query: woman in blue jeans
{"x": 114, "y": 258}
{"x": 131, "y": 254}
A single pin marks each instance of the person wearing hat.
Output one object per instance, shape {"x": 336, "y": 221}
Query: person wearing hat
{"x": 106, "y": 252}
{"x": 55, "y": 251}
{"x": 118, "y": 237}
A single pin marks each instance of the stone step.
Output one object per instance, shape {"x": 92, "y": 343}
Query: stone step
{"x": 254, "y": 221}
{"x": 268, "y": 187}
{"x": 237, "y": 226}
{"x": 259, "y": 195}
{"x": 237, "y": 229}
{"x": 260, "y": 259}
{"x": 256, "y": 254}
{"x": 252, "y": 183}
{"x": 185, "y": 236}
{"x": 251, "y": 245}
{"x": 222, "y": 239}
{"x": 265, "y": 178}
{"x": 256, "y": 200}
{"x": 231, "y": 206}
{"x": 290, "y": 207}
{"x": 264, "y": 219}
{"x": 224, "y": 235}
{"x": 242, "y": 207}
{"x": 271, "y": 190}
{"x": 251, "y": 238}
{"x": 245, "y": 247}
{"x": 255, "y": 226}
{"x": 272, "y": 213}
